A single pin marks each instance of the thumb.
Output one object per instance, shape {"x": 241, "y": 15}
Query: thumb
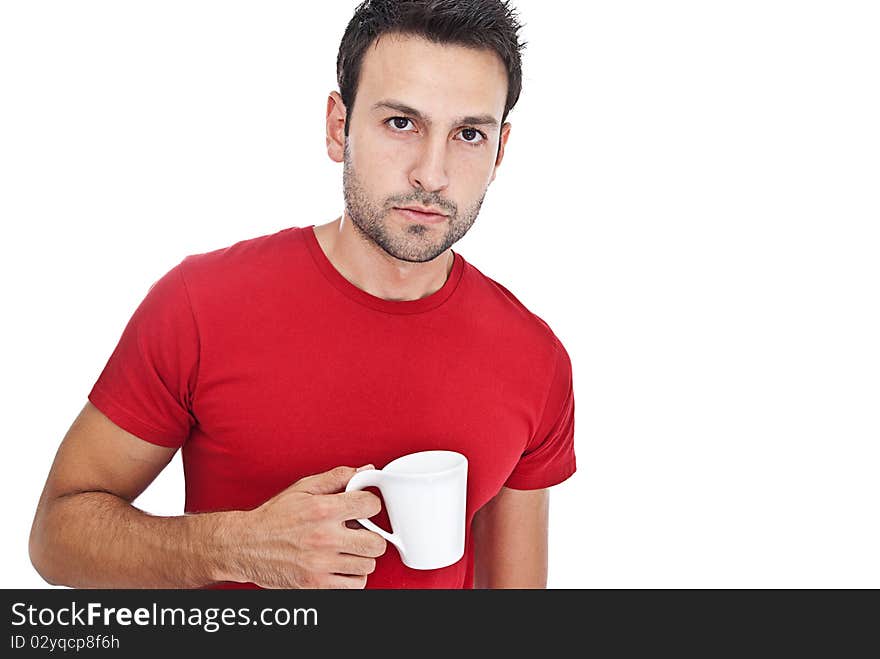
{"x": 328, "y": 482}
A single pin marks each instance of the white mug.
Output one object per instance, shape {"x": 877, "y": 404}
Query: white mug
{"x": 425, "y": 495}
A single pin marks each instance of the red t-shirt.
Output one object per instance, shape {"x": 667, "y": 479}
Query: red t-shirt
{"x": 266, "y": 365}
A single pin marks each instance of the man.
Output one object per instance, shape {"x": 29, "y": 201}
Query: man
{"x": 278, "y": 361}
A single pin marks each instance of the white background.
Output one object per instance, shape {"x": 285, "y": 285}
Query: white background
{"x": 689, "y": 198}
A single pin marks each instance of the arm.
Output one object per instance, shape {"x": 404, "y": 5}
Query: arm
{"x": 86, "y": 533}
{"x": 510, "y": 540}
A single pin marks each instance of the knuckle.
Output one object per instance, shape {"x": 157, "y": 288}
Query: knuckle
{"x": 380, "y": 545}
{"x": 320, "y": 537}
{"x": 359, "y": 566}
{"x": 372, "y": 544}
{"x": 370, "y": 504}
{"x": 320, "y": 507}
{"x": 342, "y": 473}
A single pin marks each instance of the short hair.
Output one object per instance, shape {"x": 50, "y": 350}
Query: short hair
{"x": 483, "y": 24}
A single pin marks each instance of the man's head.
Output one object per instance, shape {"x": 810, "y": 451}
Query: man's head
{"x": 433, "y": 82}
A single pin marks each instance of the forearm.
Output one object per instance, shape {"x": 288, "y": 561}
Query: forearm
{"x": 494, "y": 567}
{"x": 502, "y": 574}
{"x": 510, "y": 540}
{"x": 98, "y": 540}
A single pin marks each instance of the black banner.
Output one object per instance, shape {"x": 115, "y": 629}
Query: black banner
{"x": 128, "y": 623}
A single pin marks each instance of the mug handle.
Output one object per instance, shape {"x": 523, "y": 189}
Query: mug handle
{"x": 372, "y": 478}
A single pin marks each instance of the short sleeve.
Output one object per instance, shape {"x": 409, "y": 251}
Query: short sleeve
{"x": 549, "y": 457}
{"x": 147, "y": 385}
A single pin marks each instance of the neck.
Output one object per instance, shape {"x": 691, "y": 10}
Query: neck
{"x": 372, "y": 269}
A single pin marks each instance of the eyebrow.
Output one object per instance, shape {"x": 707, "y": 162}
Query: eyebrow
{"x": 475, "y": 120}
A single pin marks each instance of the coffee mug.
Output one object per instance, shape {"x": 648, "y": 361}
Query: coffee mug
{"x": 425, "y": 495}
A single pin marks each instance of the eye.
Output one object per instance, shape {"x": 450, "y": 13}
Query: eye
{"x": 472, "y": 136}
{"x": 398, "y": 124}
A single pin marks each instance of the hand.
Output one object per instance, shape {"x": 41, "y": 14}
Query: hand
{"x": 299, "y": 539}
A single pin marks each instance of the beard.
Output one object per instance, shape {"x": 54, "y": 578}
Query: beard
{"x": 416, "y": 243}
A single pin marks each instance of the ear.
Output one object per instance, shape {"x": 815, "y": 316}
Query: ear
{"x": 502, "y": 143}
{"x": 336, "y": 116}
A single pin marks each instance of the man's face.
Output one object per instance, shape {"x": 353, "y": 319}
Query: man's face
{"x": 424, "y": 132}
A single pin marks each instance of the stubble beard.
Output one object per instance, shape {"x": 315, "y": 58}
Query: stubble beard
{"x": 415, "y": 243}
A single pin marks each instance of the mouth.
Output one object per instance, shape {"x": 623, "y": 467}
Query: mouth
{"x": 421, "y": 214}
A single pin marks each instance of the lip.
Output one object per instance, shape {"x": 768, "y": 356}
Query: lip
{"x": 420, "y": 214}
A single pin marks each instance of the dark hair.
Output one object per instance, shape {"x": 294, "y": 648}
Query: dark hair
{"x": 485, "y": 24}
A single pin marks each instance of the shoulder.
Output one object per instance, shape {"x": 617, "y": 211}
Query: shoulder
{"x": 245, "y": 265}
{"x": 506, "y": 313}
{"x": 242, "y": 273}
{"x": 248, "y": 252}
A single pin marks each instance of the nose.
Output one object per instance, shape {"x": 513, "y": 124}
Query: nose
{"x": 429, "y": 172}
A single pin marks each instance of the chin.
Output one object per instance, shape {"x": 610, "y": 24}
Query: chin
{"x": 415, "y": 252}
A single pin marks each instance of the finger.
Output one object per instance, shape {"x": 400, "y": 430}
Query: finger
{"x": 351, "y": 565}
{"x": 328, "y": 482}
{"x": 358, "y": 504}
{"x": 344, "y": 581}
{"x": 362, "y": 543}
